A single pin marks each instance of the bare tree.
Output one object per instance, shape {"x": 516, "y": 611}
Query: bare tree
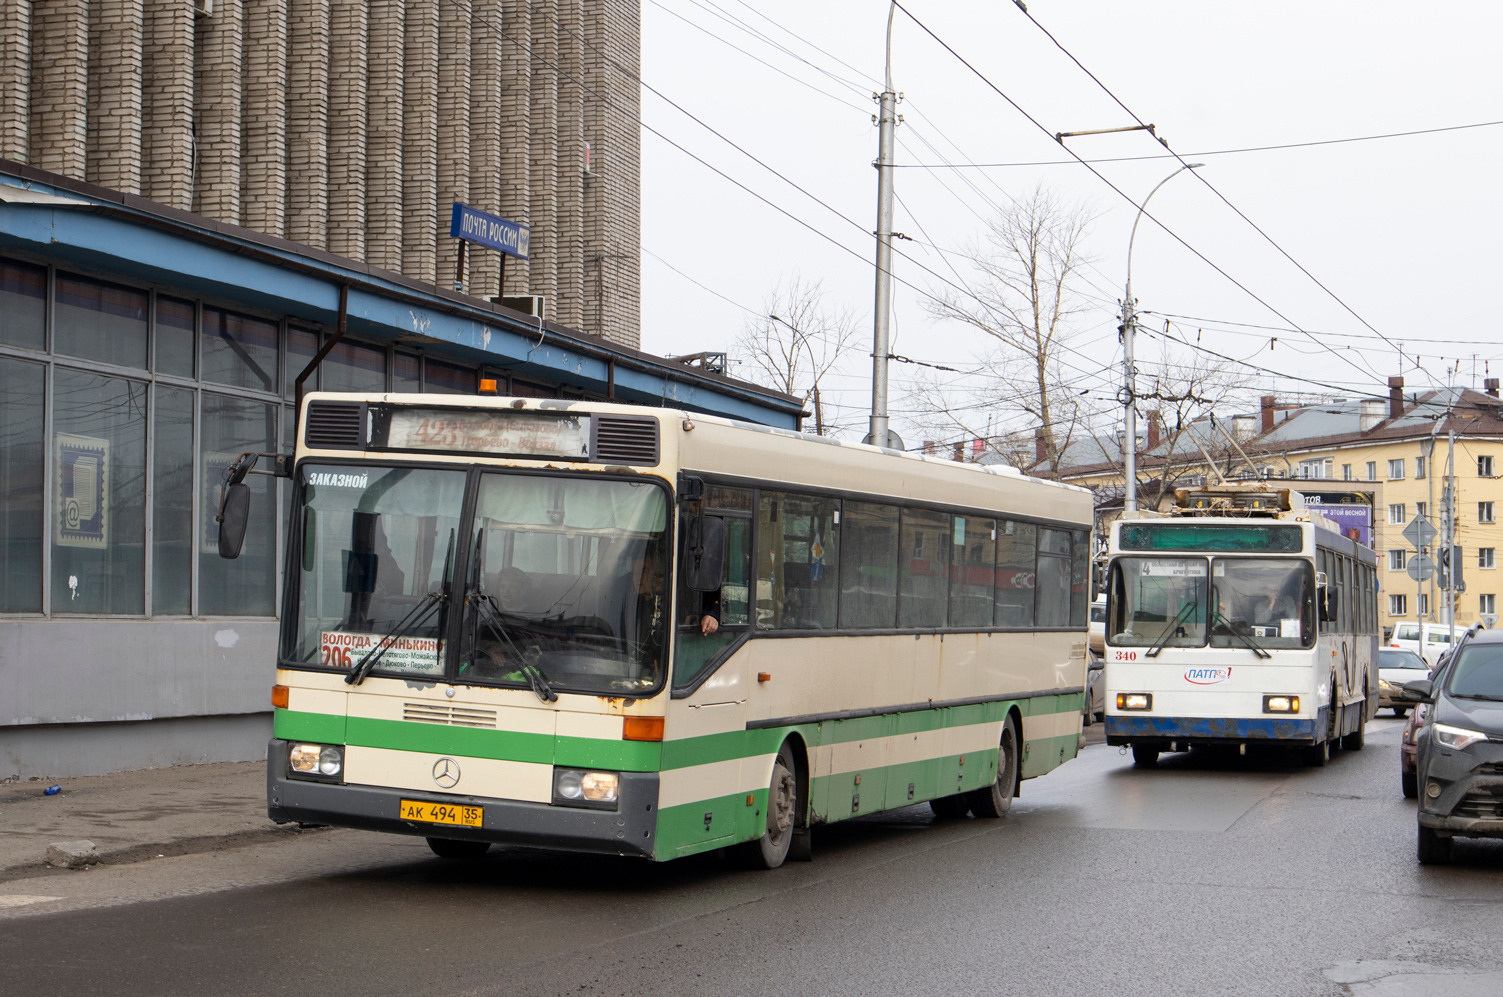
{"x": 798, "y": 342}
{"x": 1024, "y": 299}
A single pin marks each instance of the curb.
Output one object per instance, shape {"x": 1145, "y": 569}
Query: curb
{"x": 196, "y": 845}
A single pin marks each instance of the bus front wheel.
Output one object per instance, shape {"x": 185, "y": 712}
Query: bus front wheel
{"x": 450, "y": 848}
{"x": 995, "y": 800}
{"x": 770, "y": 850}
{"x": 1144, "y": 756}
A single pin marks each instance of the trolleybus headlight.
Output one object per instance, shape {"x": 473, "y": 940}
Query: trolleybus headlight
{"x": 1134, "y": 700}
{"x": 582, "y": 788}
{"x": 1457, "y": 737}
{"x": 325, "y": 760}
{"x": 1280, "y": 704}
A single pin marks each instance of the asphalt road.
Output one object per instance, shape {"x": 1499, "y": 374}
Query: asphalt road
{"x": 1211, "y": 874}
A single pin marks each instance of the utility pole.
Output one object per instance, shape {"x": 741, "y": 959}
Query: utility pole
{"x": 1451, "y": 532}
{"x": 887, "y": 123}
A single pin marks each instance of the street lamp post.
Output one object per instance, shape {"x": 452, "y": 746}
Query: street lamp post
{"x": 1129, "y": 371}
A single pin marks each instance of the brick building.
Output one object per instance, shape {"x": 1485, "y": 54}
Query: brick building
{"x": 351, "y": 125}
{"x": 195, "y": 198}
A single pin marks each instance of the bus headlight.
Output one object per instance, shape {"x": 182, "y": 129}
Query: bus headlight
{"x": 1280, "y": 704}
{"x": 1134, "y": 700}
{"x": 584, "y": 788}
{"x": 326, "y": 760}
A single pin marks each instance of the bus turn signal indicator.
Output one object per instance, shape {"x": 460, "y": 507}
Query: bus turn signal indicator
{"x": 279, "y": 696}
{"x": 642, "y": 729}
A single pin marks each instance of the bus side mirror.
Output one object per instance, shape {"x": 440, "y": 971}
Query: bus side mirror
{"x": 704, "y": 554}
{"x": 234, "y": 514}
{"x": 1327, "y": 598}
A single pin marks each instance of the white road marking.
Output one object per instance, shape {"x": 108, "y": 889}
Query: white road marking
{"x": 22, "y": 899}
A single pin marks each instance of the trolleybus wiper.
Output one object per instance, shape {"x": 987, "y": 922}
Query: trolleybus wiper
{"x": 1158, "y": 645}
{"x": 1247, "y": 641}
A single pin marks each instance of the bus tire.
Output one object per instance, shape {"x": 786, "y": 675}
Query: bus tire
{"x": 1432, "y": 848}
{"x": 951, "y": 807}
{"x": 995, "y": 800}
{"x": 1144, "y": 756}
{"x": 1317, "y": 755}
{"x": 1357, "y": 739}
{"x": 452, "y": 848}
{"x": 771, "y": 849}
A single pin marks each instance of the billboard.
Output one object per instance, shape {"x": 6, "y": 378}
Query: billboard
{"x": 1353, "y": 518}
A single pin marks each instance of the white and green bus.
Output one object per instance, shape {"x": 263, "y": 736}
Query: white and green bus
{"x": 611, "y": 629}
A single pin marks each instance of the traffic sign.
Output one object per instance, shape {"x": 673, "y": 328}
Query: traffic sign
{"x": 1419, "y": 532}
{"x": 1421, "y": 567}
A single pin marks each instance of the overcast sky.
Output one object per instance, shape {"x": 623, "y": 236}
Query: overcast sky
{"x": 1401, "y": 230}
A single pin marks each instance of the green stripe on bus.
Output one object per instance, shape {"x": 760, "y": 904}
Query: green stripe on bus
{"x": 684, "y": 830}
{"x": 1045, "y": 754}
{"x": 294, "y": 725}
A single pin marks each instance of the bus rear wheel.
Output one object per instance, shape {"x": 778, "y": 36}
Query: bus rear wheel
{"x": 1357, "y": 739}
{"x": 770, "y": 850}
{"x": 451, "y": 848}
{"x": 1144, "y": 756}
{"x": 995, "y": 800}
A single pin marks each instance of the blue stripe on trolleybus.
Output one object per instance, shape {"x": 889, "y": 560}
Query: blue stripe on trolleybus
{"x": 1227, "y": 728}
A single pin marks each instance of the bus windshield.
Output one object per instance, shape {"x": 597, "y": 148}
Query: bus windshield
{"x": 569, "y": 584}
{"x": 1270, "y": 600}
{"x": 375, "y": 542}
{"x": 1158, "y": 601}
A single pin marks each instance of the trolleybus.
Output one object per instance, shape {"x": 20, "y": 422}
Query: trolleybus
{"x": 1241, "y": 618}
{"x": 636, "y": 631}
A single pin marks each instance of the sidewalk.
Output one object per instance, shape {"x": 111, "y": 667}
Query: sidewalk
{"x": 136, "y": 815}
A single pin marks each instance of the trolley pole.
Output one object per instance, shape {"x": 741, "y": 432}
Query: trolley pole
{"x": 887, "y": 122}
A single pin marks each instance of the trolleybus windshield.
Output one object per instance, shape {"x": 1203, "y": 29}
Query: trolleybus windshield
{"x": 1270, "y": 600}
{"x": 1158, "y": 602}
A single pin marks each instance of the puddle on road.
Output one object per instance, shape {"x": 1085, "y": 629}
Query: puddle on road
{"x": 1382, "y": 978}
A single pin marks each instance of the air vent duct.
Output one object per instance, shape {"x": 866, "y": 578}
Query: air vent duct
{"x": 335, "y": 426}
{"x": 624, "y": 439}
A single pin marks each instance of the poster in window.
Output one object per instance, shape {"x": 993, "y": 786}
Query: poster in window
{"x": 83, "y": 492}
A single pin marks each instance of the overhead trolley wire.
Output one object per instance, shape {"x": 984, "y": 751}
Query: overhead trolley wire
{"x": 1097, "y": 173}
{"x": 1209, "y": 186}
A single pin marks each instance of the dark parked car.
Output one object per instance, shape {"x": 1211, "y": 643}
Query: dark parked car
{"x": 1459, "y": 766}
{"x": 1409, "y": 748}
{"x": 1396, "y": 668}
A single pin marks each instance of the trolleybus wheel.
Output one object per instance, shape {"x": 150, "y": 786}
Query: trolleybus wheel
{"x": 1357, "y": 739}
{"x": 1317, "y": 755}
{"x": 451, "y": 848}
{"x": 996, "y": 799}
{"x": 1144, "y": 756}
{"x": 1433, "y": 849}
{"x": 769, "y": 851}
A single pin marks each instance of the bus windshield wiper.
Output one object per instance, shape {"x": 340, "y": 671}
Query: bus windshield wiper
{"x": 1158, "y": 645}
{"x": 1247, "y": 641}
{"x": 487, "y": 612}
{"x": 416, "y": 617}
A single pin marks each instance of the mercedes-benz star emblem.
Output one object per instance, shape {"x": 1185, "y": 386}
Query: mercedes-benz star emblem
{"x": 446, "y": 773}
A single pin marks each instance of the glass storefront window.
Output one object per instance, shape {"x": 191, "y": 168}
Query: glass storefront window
{"x": 245, "y": 586}
{"x": 174, "y": 335}
{"x": 172, "y": 503}
{"x": 354, "y": 366}
{"x": 239, "y": 350}
{"x": 22, "y": 409}
{"x": 99, "y": 494}
{"x": 406, "y": 373}
{"x": 100, "y": 321}
{"x": 302, "y": 344}
{"x": 449, "y": 379}
{"x": 23, "y": 305}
